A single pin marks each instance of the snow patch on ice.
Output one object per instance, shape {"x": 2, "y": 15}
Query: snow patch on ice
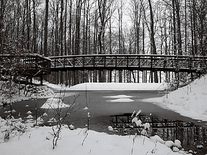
{"x": 54, "y": 103}
{"x": 119, "y": 98}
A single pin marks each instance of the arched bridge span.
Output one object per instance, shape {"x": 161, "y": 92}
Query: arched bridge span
{"x": 174, "y": 63}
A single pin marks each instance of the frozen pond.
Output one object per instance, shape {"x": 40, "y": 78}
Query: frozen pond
{"x": 101, "y": 104}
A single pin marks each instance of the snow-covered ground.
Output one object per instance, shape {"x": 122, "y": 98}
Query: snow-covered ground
{"x": 38, "y": 140}
{"x": 24, "y": 140}
{"x": 110, "y": 86}
{"x": 190, "y": 101}
{"x": 20, "y": 95}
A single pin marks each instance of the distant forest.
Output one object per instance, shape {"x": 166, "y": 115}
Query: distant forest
{"x": 78, "y": 27}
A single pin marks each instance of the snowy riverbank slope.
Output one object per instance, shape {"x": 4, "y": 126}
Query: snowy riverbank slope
{"x": 21, "y": 95}
{"x": 190, "y": 101}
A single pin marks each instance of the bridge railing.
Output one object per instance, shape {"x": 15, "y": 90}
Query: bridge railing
{"x": 37, "y": 62}
{"x": 27, "y": 64}
{"x": 126, "y": 61}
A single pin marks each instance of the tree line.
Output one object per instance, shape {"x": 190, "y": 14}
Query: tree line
{"x": 76, "y": 27}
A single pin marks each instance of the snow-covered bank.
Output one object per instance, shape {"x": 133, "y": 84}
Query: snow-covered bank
{"x": 190, "y": 101}
{"x": 110, "y": 86}
{"x": 21, "y": 95}
{"x": 79, "y": 142}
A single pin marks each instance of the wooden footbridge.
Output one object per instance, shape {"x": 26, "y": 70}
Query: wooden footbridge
{"x": 175, "y": 63}
{"x": 32, "y": 65}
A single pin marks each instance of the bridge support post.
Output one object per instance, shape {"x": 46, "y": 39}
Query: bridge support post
{"x": 177, "y": 76}
{"x": 30, "y": 79}
{"x": 191, "y": 75}
{"x": 27, "y": 81}
{"x": 41, "y": 80}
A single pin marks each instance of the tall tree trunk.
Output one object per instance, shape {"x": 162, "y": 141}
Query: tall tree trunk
{"x": 70, "y": 28}
{"x": 61, "y": 38}
{"x": 194, "y": 28}
{"x": 1, "y": 26}
{"x": 186, "y": 27}
{"x": 144, "y": 73}
{"x": 95, "y": 33}
{"x": 120, "y": 16}
{"x": 153, "y": 46}
{"x": 57, "y": 51}
{"x": 110, "y": 36}
{"x": 61, "y": 27}
{"x": 28, "y": 24}
{"x": 34, "y": 28}
{"x": 177, "y": 5}
{"x": 65, "y": 28}
{"x": 46, "y": 27}
{"x": 84, "y": 29}
{"x": 174, "y": 29}
{"x": 77, "y": 31}
{"x": 152, "y": 32}
{"x": 65, "y": 40}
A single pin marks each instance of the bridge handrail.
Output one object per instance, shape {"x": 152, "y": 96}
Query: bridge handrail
{"x": 25, "y": 55}
{"x": 130, "y": 55}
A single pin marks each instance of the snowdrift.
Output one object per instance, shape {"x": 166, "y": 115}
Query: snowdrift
{"x": 189, "y": 100}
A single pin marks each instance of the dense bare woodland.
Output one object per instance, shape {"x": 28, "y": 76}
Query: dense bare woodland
{"x": 77, "y": 27}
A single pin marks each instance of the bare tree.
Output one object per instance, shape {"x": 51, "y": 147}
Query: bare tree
{"x": 152, "y": 38}
{"x": 34, "y": 28}
{"x": 46, "y": 27}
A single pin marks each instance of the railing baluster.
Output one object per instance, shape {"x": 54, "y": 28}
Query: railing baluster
{"x": 127, "y": 61}
{"x": 93, "y": 61}
{"x": 104, "y": 61}
{"x": 74, "y": 61}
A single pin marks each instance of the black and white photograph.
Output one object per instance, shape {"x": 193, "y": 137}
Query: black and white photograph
{"x": 103, "y": 77}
